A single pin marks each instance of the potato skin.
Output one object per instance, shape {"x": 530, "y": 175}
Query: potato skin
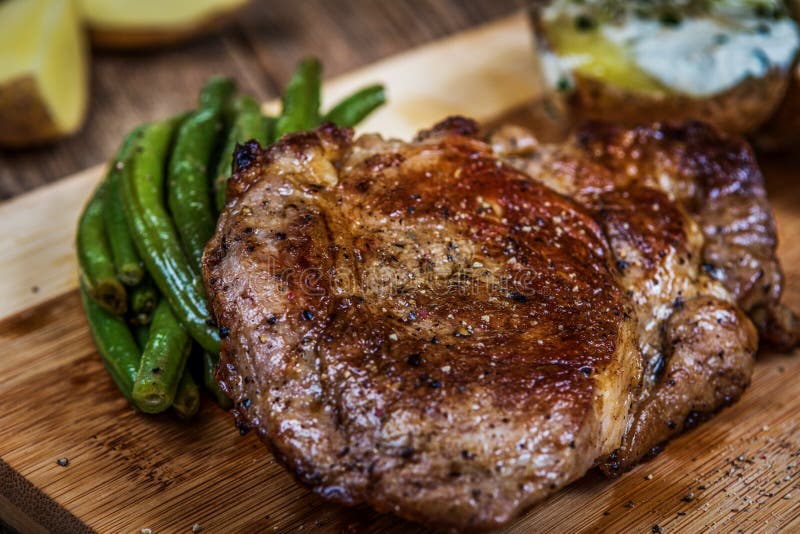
{"x": 741, "y": 109}
{"x": 24, "y": 116}
{"x": 782, "y": 131}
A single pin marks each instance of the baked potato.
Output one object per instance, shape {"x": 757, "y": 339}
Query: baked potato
{"x": 43, "y": 71}
{"x": 127, "y": 24}
{"x": 723, "y": 62}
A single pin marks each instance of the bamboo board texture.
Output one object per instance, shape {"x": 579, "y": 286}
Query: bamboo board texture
{"x": 127, "y": 471}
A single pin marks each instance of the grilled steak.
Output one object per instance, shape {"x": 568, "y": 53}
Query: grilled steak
{"x": 685, "y": 211}
{"x": 427, "y": 329}
{"x": 418, "y": 326}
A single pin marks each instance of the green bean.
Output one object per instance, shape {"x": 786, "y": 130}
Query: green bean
{"x": 127, "y": 262}
{"x": 187, "y": 397}
{"x": 163, "y": 362}
{"x": 156, "y": 238}
{"x": 356, "y": 107}
{"x": 114, "y": 342}
{"x": 141, "y": 332}
{"x": 143, "y": 301}
{"x": 94, "y": 257}
{"x": 248, "y": 124}
{"x": 301, "y": 99}
{"x": 217, "y": 93}
{"x": 209, "y": 363}
{"x": 188, "y": 191}
{"x": 269, "y": 125}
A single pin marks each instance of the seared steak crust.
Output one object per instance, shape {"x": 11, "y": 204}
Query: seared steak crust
{"x": 712, "y": 176}
{"x": 418, "y": 326}
{"x": 685, "y": 213}
{"x": 428, "y": 329}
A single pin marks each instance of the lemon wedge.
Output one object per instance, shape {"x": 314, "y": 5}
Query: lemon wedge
{"x": 43, "y": 71}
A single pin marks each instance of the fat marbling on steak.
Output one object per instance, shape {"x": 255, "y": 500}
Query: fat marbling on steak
{"x": 426, "y": 329}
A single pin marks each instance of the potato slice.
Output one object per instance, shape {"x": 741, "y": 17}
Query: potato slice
{"x": 149, "y": 23}
{"x": 43, "y": 71}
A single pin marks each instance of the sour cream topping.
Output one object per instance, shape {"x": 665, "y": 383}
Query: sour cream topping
{"x": 705, "y": 56}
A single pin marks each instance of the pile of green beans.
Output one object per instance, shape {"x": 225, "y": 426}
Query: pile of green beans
{"x": 141, "y": 236}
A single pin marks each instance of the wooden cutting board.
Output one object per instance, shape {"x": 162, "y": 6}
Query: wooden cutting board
{"x": 129, "y": 471}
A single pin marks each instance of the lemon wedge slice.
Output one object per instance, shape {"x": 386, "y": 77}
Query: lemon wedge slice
{"x": 43, "y": 71}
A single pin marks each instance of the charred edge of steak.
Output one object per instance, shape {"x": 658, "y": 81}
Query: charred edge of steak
{"x": 722, "y": 166}
{"x": 456, "y": 125}
{"x": 248, "y": 158}
{"x": 612, "y": 467}
{"x": 245, "y": 155}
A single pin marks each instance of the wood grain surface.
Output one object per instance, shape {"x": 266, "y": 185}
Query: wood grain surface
{"x": 127, "y": 471}
{"x": 260, "y": 49}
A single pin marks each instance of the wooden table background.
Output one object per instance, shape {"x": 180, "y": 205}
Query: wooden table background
{"x": 260, "y": 49}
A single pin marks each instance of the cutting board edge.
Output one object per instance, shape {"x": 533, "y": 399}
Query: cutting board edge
{"x": 21, "y": 501}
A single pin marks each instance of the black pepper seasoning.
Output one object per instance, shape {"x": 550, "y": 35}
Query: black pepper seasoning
{"x": 584, "y": 22}
{"x": 670, "y": 18}
{"x": 414, "y": 360}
